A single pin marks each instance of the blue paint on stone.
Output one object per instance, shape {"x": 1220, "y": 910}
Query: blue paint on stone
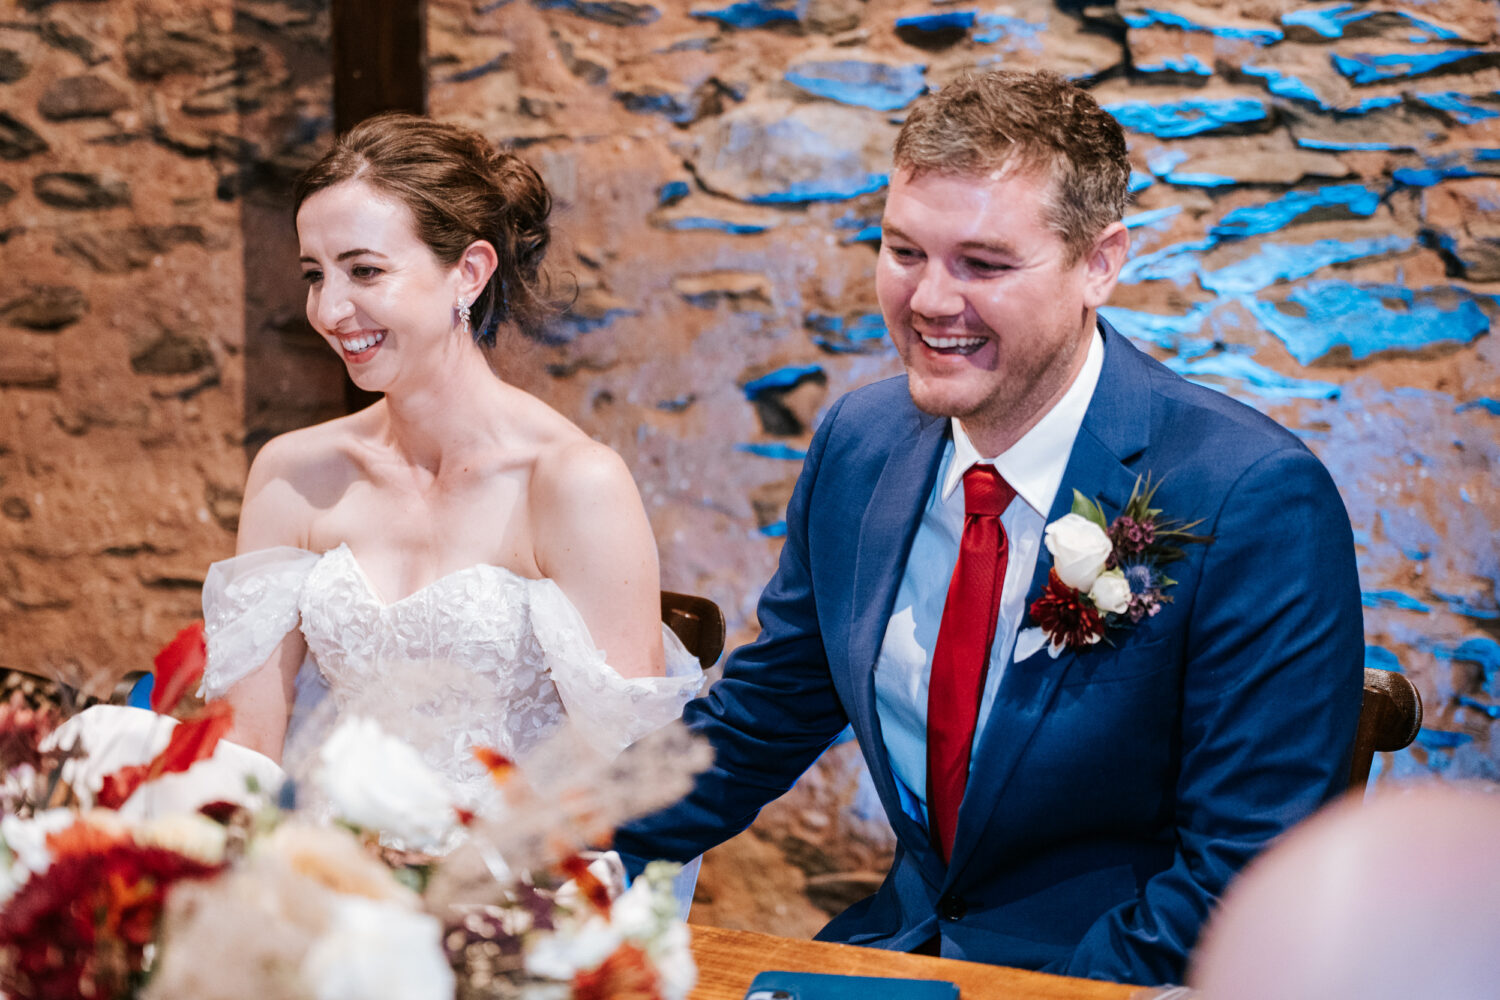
{"x": 1331, "y": 22}
{"x": 1487, "y": 155}
{"x": 781, "y": 378}
{"x": 678, "y": 404}
{"x": 1169, "y": 19}
{"x": 1483, "y": 652}
{"x": 1152, "y": 219}
{"x": 617, "y": 12}
{"x": 1482, "y": 403}
{"x": 750, "y": 13}
{"x": 1186, "y": 64}
{"x": 692, "y": 222}
{"x": 1276, "y": 262}
{"x": 1392, "y": 599}
{"x": 1368, "y": 319}
{"x": 1464, "y": 109}
{"x": 1460, "y": 604}
{"x": 1162, "y": 160}
{"x": 672, "y": 192}
{"x": 865, "y": 84}
{"x": 1155, "y": 328}
{"x": 991, "y": 28}
{"x": 1352, "y": 145}
{"x": 1177, "y": 263}
{"x": 1192, "y": 179}
{"x": 777, "y": 450}
{"x": 1370, "y": 67}
{"x": 1486, "y": 709}
{"x": 1293, "y": 88}
{"x": 822, "y": 190}
{"x": 953, "y": 20}
{"x": 1191, "y": 117}
{"x": 587, "y": 324}
{"x": 1380, "y": 658}
{"x": 869, "y": 234}
{"x": 1337, "y": 200}
{"x": 1442, "y": 739}
{"x": 1424, "y": 177}
{"x": 861, "y": 334}
{"x": 776, "y": 529}
{"x": 1140, "y": 181}
{"x": 1256, "y": 377}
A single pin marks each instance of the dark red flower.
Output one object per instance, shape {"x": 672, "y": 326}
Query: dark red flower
{"x": 589, "y": 886}
{"x": 22, "y": 729}
{"x": 1066, "y": 616}
{"x": 627, "y": 974}
{"x": 80, "y": 928}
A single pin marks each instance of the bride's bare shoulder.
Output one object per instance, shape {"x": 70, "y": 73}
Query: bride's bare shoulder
{"x": 295, "y": 474}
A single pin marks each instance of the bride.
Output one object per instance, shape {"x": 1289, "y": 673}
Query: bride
{"x": 457, "y": 553}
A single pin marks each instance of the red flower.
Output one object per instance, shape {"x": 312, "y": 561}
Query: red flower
{"x": 80, "y": 928}
{"x": 191, "y": 741}
{"x": 625, "y": 975}
{"x": 177, "y": 668}
{"x": 1066, "y": 616}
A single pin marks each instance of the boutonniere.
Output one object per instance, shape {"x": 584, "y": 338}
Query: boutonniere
{"x": 1104, "y": 575}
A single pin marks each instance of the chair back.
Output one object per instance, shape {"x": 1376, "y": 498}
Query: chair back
{"x": 1389, "y": 718}
{"x": 698, "y": 622}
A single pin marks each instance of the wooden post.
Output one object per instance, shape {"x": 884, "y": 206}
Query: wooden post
{"x": 379, "y": 64}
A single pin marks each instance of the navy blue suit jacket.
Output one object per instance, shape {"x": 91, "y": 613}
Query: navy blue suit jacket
{"x": 1115, "y": 790}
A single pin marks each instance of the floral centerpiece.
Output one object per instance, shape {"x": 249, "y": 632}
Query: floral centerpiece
{"x": 381, "y": 883}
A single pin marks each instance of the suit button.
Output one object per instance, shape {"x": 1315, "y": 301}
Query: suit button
{"x": 950, "y": 907}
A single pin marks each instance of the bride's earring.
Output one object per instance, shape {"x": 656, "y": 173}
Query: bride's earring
{"x": 463, "y": 315}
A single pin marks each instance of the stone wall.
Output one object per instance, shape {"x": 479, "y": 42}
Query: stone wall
{"x": 1317, "y": 232}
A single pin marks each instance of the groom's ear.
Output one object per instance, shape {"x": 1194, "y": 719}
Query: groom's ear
{"x": 1103, "y": 263}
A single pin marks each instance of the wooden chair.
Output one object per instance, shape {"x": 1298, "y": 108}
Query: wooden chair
{"x": 698, "y": 622}
{"x": 1389, "y": 719}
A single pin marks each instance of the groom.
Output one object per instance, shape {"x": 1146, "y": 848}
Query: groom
{"x": 1079, "y": 809}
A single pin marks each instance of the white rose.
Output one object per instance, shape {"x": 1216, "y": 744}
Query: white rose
{"x": 1111, "y": 592}
{"x": 378, "y": 782}
{"x": 378, "y": 951}
{"x": 1079, "y": 548}
{"x": 26, "y": 840}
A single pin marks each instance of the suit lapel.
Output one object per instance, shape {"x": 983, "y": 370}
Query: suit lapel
{"x": 1115, "y": 429}
{"x": 885, "y": 536}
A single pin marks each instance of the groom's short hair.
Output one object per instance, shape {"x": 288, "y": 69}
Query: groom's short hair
{"x": 1032, "y": 122}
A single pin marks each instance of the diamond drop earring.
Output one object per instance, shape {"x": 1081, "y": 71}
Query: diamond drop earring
{"x": 463, "y": 315}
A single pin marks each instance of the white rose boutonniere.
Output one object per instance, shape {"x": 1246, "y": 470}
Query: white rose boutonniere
{"x": 1105, "y": 575}
{"x": 1080, "y": 550}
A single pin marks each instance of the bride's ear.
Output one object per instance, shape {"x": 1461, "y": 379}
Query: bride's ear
{"x": 478, "y": 262}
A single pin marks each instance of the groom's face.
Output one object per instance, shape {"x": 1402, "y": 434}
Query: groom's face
{"x": 991, "y": 314}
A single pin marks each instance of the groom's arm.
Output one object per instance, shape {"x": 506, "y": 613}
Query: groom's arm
{"x": 1271, "y": 693}
{"x": 770, "y": 716}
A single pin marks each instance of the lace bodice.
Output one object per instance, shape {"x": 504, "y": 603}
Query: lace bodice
{"x": 481, "y": 656}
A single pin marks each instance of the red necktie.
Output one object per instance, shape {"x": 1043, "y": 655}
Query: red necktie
{"x": 962, "y": 654}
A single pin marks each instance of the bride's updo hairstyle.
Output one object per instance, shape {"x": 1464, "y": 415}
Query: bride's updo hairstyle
{"x": 459, "y": 189}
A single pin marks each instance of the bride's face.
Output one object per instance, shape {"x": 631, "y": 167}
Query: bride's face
{"x": 375, "y": 292}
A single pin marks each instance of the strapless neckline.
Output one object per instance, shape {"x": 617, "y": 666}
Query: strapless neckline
{"x": 373, "y": 592}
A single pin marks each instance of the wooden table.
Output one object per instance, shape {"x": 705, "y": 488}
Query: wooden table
{"x": 728, "y": 960}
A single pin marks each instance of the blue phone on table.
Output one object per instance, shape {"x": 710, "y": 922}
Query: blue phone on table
{"x": 778, "y": 985}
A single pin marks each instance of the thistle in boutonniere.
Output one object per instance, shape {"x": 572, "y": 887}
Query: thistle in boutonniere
{"x": 1104, "y": 575}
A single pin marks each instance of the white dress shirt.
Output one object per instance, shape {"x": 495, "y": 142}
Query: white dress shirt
{"x": 1034, "y": 467}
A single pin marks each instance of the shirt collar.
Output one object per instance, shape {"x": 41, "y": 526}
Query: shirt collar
{"x": 1034, "y": 465}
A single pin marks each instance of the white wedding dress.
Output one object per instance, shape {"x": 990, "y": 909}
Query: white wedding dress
{"x": 480, "y": 657}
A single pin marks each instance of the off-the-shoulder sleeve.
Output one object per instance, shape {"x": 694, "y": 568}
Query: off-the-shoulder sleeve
{"x": 249, "y": 605}
{"x": 609, "y": 711}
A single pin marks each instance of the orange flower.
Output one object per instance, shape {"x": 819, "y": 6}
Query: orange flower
{"x": 625, "y": 975}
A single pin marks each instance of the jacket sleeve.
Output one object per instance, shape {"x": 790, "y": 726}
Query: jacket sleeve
{"x": 770, "y": 716}
{"x": 1271, "y": 689}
